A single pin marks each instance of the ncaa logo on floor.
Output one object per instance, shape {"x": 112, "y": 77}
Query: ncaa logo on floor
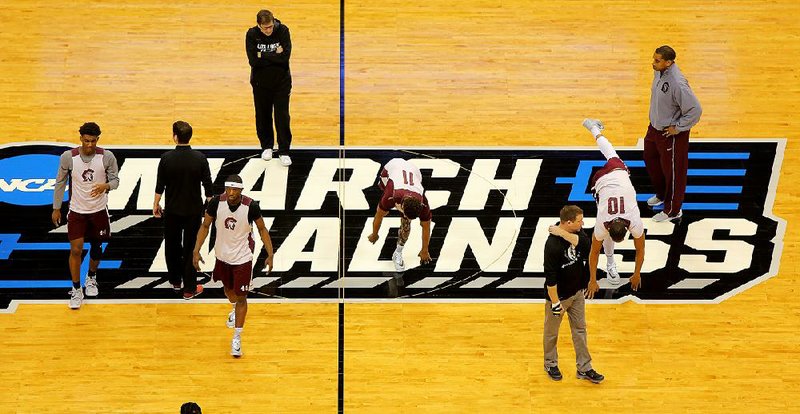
{"x": 491, "y": 209}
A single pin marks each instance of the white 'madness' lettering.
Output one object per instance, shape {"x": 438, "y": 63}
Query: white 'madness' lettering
{"x": 324, "y": 255}
{"x": 655, "y": 257}
{"x": 365, "y": 258}
{"x": 738, "y": 253}
{"x": 467, "y": 232}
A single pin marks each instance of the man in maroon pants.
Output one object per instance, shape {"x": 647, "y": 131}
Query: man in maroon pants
{"x": 674, "y": 110}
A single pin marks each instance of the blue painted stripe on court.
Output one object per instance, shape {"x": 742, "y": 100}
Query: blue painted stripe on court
{"x": 714, "y": 189}
{"x": 705, "y": 206}
{"x": 57, "y": 284}
{"x": 718, "y": 172}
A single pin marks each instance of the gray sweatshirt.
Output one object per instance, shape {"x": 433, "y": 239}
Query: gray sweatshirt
{"x": 672, "y": 101}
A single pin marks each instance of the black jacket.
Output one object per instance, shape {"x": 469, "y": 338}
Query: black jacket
{"x": 565, "y": 266}
{"x": 181, "y": 172}
{"x": 268, "y": 68}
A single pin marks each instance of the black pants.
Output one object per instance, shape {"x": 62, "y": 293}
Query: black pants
{"x": 266, "y": 99}
{"x": 180, "y": 235}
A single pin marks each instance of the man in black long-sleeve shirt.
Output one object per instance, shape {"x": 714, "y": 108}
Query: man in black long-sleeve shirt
{"x": 566, "y": 276}
{"x": 269, "y": 47}
{"x": 181, "y": 172}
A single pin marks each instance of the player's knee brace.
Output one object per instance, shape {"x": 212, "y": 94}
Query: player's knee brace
{"x": 95, "y": 251}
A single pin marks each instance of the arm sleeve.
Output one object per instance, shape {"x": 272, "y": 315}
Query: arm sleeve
{"x": 64, "y": 168}
{"x": 112, "y": 170}
{"x": 208, "y": 186}
{"x": 551, "y": 255}
{"x": 285, "y": 39}
{"x": 690, "y": 107}
{"x": 255, "y": 211}
{"x": 425, "y": 214}
{"x": 251, "y": 47}
{"x": 211, "y": 209}
{"x": 160, "y": 177}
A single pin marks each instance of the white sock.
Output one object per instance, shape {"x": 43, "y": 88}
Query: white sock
{"x": 399, "y": 248}
{"x": 237, "y": 332}
{"x": 595, "y": 131}
{"x": 608, "y": 249}
{"x": 610, "y": 260}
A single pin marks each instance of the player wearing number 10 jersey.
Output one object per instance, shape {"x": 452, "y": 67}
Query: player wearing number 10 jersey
{"x": 401, "y": 182}
{"x": 617, "y": 213}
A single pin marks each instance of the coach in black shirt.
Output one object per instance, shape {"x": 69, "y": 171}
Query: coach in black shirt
{"x": 566, "y": 277}
{"x": 269, "y": 48}
{"x": 181, "y": 172}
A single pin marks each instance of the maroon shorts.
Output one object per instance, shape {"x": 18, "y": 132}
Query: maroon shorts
{"x": 92, "y": 226}
{"x": 612, "y": 164}
{"x": 234, "y": 277}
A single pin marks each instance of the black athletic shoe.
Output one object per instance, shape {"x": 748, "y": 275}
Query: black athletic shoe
{"x": 554, "y": 373}
{"x": 591, "y": 375}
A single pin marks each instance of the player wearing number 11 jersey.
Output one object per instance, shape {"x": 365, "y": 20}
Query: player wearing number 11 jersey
{"x": 617, "y": 213}
{"x": 401, "y": 182}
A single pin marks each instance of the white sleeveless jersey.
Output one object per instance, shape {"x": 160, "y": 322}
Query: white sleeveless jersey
{"x": 404, "y": 175}
{"x": 616, "y": 197}
{"x": 83, "y": 177}
{"x": 234, "y": 242}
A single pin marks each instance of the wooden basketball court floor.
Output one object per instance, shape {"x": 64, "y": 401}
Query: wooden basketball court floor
{"x": 441, "y": 73}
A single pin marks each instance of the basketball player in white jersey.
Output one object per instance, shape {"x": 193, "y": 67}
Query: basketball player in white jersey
{"x": 92, "y": 172}
{"x": 401, "y": 182}
{"x": 233, "y": 215}
{"x": 617, "y": 213}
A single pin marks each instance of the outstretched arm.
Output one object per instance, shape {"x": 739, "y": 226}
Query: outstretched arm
{"x": 201, "y": 238}
{"x": 262, "y": 231}
{"x": 636, "y": 279}
{"x": 376, "y": 224}
{"x": 594, "y": 256}
{"x": 571, "y": 238}
{"x": 424, "y": 255}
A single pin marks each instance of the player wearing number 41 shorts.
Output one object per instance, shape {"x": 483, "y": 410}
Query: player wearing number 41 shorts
{"x": 234, "y": 215}
{"x": 617, "y": 213}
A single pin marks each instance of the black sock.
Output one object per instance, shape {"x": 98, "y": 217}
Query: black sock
{"x": 92, "y": 273}
{"x": 76, "y": 285}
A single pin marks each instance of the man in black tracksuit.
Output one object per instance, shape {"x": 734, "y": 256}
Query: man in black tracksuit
{"x": 269, "y": 48}
{"x": 181, "y": 171}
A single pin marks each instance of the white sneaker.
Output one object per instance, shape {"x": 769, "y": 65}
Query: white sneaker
{"x": 91, "y": 286}
{"x": 236, "y": 347}
{"x": 231, "y": 322}
{"x": 612, "y": 274}
{"x": 266, "y": 155}
{"x": 662, "y": 216}
{"x": 75, "y": 298}
{"x": 285, "y": 160}
{"x": 654, "y": 201}
{"x": 399, "y": 265}
{"x": 589, "y": 123}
